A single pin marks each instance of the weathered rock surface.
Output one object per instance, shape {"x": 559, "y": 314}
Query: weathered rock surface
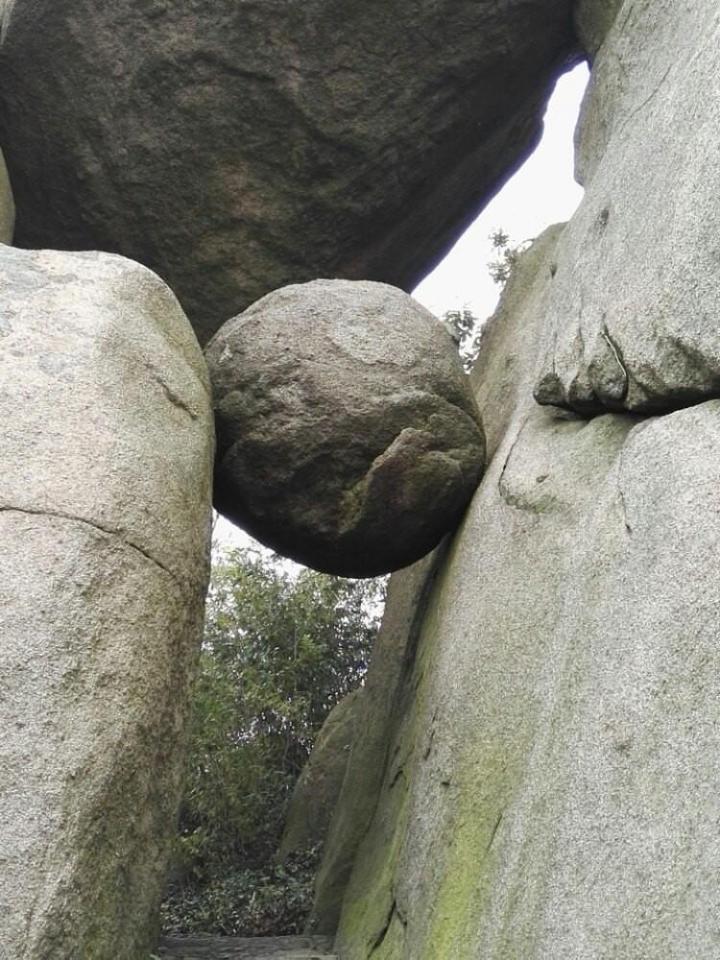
{"x": 248, "y": 948}
{"x": 107, "y": 448}
{"x": 407, "y": 594}
{"x": 348, "y": 438}
{"x": 593, "y": 19}
{"x": 550, "y": 787}
{"x": 7, "y": 205}
{"x": 635, "y": 299}
{"x": 236, "y": 147}
{"x": 318, "y": 787}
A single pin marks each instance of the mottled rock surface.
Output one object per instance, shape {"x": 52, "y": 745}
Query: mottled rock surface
{"x": 408, "y": 591}
{"x": 249, "y": 948}
{"x": 238, "y": 146}
{"x": 635, "y": 300}
{"x": 348, "y": 438}
{"x": 318, "y": 787}
{"x": 550, "y": 787}
{"x": 107, "y": 447}
{"x": 7, "y": 205}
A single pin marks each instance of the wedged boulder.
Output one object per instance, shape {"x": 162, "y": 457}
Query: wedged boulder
{"x": 318, "y": 787}
{"x": 635, "y": 299}
{"x": 7, "y": 205}
{"x": 550, "y": 788}
{"x": 236, "y": 146}
{"x": 348, "y": 437}
{"x": 107, "y": 448}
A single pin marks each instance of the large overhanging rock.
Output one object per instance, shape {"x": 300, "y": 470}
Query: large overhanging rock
{"x": 348, "y": 438}
{"x": 636, "y": 299}
{"x": 7, "y": 206}
{"x": 237, "y": 146}
{"x": 106, "y": 449}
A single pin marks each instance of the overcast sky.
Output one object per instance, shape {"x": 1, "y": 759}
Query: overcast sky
{"x": 542, "y": 192}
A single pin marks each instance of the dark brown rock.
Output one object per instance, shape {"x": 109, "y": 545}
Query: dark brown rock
{"x": 348, "y": 438}
{"x": 238, "y": 146}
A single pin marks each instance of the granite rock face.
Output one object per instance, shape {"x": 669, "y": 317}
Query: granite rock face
{"x": 239, "y": 146}
{"x": 348, "y": 438}
{"x": 7, "y": 205}
{"x": 318, "y": 787}
{"x": 635, "y": 299}
{"x": 107, "y": 448}
{"x": 549, "y": 788}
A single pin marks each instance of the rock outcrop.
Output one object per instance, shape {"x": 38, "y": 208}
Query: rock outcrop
{"x": 107, "y": 449}
{"x": 236, "y": 146}
{"x": 318, "y": 787}
{"x": 549, "y": 789}
{"x": 635, "y": 300}
{"x": 7, "y": 205}
{"x": 348, "y": 438}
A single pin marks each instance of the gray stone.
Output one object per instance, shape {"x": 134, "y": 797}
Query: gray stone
{"x": 408, "y": 591}
{"x": 246, "y": 948}
{"x": 348, "y": 438}
{"x": 635, "y": 299}
{"x": 107, "y": 447}
{"x": 238, "y": 146}
{"x": 318, "y": 787}
{"x": 550, "y": 788}
{"x": 7, "y": 205}
{"x": 593, "y": 19}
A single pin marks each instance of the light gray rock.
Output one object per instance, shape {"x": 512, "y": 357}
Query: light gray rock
{"x": 107, "y": 448}
{"x": 408, "y": 591}
{"x": 7, "y": 205}
{"x": 635, "y": 299}
{"x": 5, "y": 11}
{"x": 550, "y": 783}
{"x": 236, "y": 146}
{"x": 318, "y": 787}
{"x": 348, "y": 438}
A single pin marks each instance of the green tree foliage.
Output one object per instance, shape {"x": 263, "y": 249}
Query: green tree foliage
{"x": 280, "y": 649}
{"x": 507, "y": 255}
{"x": 464, "y": 323}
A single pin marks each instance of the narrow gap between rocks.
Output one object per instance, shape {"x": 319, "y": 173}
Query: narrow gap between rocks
{"x": 205, "y": 924}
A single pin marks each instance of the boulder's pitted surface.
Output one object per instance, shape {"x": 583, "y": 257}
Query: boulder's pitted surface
{"x": 348, "y": 437}
{"x": 550, "y": 789}
{"x": 238, "y": 146}
{"x": 318, "y": 787}
{"x": 7, "y": 205}
{"x": 107, "y": 448}
{"x": 635, "y": 300}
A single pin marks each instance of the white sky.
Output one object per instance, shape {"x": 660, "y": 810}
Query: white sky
{"x": 542, "y": 192}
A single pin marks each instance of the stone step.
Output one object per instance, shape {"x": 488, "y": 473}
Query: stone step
{"x": 246, "y": 948}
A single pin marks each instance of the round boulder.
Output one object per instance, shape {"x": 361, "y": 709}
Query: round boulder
{"x": 348, "y": 438}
